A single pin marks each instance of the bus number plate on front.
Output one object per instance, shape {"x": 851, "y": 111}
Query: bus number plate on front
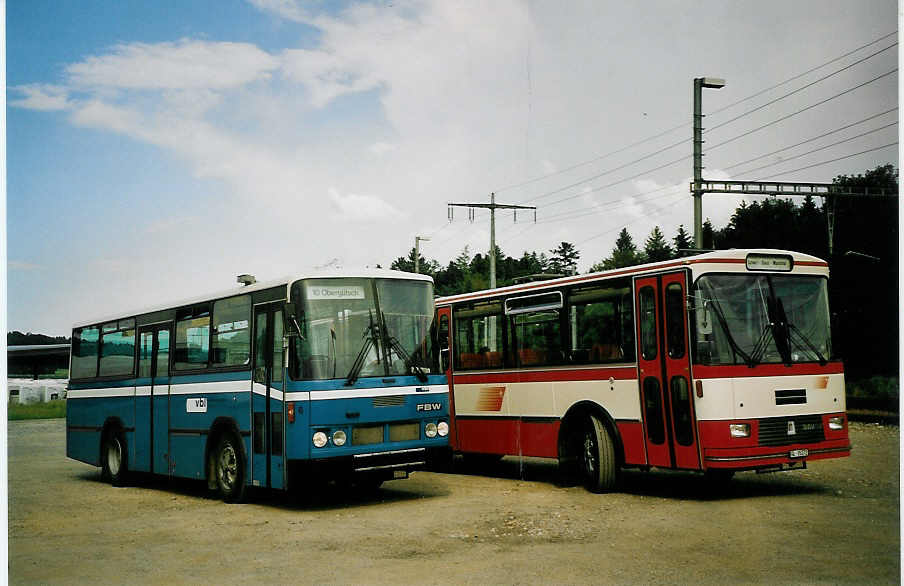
{"x": 802, "y": 453}
{"x": 196, "y": 405}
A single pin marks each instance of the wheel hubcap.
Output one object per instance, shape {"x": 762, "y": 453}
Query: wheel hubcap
{"x": 228, "y": 467}
{"x": 589, "y": 454}
{"x": 114, "y": 456}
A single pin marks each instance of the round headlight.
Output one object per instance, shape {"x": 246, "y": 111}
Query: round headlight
{"x": 339, "y": 438}
{"x": 430, "y": 430}
{"x": 442, "y": 428}
{"x": 319, "y": 439}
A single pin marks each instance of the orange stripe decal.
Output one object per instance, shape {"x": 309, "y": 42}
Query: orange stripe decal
{"x": 490, "y": 398}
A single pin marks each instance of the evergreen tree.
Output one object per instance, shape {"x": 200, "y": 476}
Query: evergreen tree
{"x": 656, "y": 248}
{"x": 682, "y": 240}
{"x": 564, "y": 259}
{"x": 624, "y": 254}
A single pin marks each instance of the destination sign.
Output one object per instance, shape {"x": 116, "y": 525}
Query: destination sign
{"x": 333, "y": 292}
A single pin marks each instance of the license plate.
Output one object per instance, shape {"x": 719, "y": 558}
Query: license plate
{"x": 399, "y": 474}
{"x": 802, "y": 453}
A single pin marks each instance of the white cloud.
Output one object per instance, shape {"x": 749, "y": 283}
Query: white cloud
{"x": 356, "y": 207}
{"x": 186, "y": 64}
{"x": 288, "y": 9}
{"x": 42, "y": 97}
{"x": 18, "y": 265}
{"x": 381, "y": 148}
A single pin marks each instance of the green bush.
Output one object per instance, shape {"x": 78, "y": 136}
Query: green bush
{"x": 876, "y": 387}
{"x": 48, "y": 410}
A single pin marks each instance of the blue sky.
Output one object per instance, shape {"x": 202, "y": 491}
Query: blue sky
{"x": 156, "y": 150}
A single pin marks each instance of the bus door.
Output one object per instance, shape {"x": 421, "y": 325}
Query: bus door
{"x": 152, "y": 401}
{"x": 444, "y": 343}
{"x": 267, "y": 405}
{"x": 664, "y": 371}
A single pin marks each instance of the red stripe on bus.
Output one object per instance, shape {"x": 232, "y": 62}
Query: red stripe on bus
{"x": 547, "y": 376}
{"x": 736, "y": 371}
{"x": 609, "y": 275}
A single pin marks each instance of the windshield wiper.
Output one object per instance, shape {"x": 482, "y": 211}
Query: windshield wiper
{"x": 731, "y": 341}
{"x": 397, "y": 347}
{"x": 802, "y": 338}
{"x": 370, "y": 341}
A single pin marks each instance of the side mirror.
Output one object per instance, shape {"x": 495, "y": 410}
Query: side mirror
{"x": 293, "y": 320}
{"x": 444, "y": 357}
{"x": 704, "y": 320}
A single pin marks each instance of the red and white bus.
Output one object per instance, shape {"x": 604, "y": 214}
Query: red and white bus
{"x": 716, "y": 363}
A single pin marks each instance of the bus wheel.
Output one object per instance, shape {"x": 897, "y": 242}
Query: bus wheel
{"x": 597, "y": 457}
{"x": 114, "y": 458}
{"x": 229, "y": 469}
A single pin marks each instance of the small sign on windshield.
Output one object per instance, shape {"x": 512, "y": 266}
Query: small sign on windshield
{"x": 332, "y": 292}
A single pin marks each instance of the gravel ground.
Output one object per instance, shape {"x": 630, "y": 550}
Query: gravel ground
{"x": 518, "y": 522}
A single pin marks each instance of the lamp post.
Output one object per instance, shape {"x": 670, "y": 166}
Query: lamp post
{"x": 699, "y": 84}
{"x": 417, "y": 252}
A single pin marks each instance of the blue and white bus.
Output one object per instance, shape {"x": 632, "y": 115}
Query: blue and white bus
{"x": 272, "y": 385}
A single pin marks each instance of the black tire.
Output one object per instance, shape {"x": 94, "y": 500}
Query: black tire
{"x": 229, "y": 469}
{"x": 718, "y": 480}
{"x": 597, "y": 464}
{"x": 481, "y": 461}
{"x": 114, "y": 458}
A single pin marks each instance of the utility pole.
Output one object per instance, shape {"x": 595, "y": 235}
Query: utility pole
{"x": 697, "y": 188}
{"x": 417, "y": 252}
{"x": 492, "y": 206}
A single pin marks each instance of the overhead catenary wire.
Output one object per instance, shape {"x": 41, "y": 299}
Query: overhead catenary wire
{"x": 800, "y": 89}
{"x": 802, "y": 110}
{"x": 803, "y": 142}
{"x": 686, "y": 124}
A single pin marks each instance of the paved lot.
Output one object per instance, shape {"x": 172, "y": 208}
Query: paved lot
{"x": 836, "y": 522}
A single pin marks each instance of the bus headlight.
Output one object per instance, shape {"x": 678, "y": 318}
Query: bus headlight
{"x": 836, "y": 423}
{"x": 319, "y": 439}
{"x": 339, "y": 438}
{"x": 430, "y": 430}
{"x": 442, "y": 428}
{"x": 739, "y": 429}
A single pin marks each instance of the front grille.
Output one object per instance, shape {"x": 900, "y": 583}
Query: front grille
{"x": 791, "y": 397}
{"x": 368, "y": 434}
{"x": 389, "y": 401}
{"x": 403, "y": 432}
{"x": 807, "y": 430}
{"x": 407, "y": 459}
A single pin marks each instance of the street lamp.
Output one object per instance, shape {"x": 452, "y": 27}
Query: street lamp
{"x": 417, "y": 252}
{"x": 699, "y": 84}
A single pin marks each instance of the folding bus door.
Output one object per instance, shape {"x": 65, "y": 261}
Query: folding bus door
{"x": 267, "y": 404}
{"x": 664, "y": 371}
{"x": 444, "y": 334}
{"x": 152, "y": 400}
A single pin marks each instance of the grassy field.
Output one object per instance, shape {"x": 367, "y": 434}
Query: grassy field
{"x": 49, "y": 410}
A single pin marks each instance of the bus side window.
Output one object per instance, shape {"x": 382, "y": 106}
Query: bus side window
{"x": 192, "y": 338}
{"x": 85, "y": 352}
{"x": 479, "y": 337}
{"x": 596, "y": 321}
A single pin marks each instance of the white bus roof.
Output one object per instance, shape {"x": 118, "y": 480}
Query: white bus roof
{"x": 285, "y": 281}
{"x": 732, "y": 257}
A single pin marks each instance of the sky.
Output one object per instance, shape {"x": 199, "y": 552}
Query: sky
{"x": 155, "y": 150}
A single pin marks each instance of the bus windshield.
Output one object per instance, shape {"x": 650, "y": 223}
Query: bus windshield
{"x": 356, "y": 327}
{"x": 764, "y": 318}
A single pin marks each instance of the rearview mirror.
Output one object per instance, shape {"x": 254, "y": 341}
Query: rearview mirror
{"x": 293, "y": 320}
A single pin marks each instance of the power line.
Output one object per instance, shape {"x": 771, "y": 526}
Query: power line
{"x": 597, "y": 176}
{"x": 683, "y": 125}
{"x": 798, "y": 76}
{"x": 821, "y": 148}
{"x": 800, "y": 89}
{"x": 811, "y": 139}
{"x": 827, "y": 162}
{"x": 810, "y": 107}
